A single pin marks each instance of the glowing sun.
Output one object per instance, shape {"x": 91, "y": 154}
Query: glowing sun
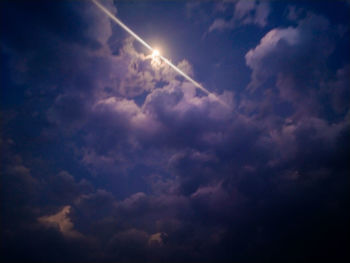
{"x": 155, "y": 57}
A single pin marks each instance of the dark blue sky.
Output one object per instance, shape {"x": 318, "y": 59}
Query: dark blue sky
{"x": 108, "y": 156}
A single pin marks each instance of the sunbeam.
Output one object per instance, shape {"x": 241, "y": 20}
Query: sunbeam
{"x": 155, "y": 52}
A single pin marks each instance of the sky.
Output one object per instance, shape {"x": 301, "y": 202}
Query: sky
{"x": 109, "y": 155}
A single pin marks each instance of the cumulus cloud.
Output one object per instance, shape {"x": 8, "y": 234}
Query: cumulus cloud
{"x": 296, "y": 59}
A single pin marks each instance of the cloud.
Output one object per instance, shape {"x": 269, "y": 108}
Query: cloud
{"x": 295, "y": 67}
{"x": 63, "y": 188}
{"x": 274, "y": 43}
{"x": 245, "y": 13}
{"x": 157, "y": 239}
{"x": 221, "y": 24}
{"x": 135, "y": 164}
{"x": 61, "y": 221}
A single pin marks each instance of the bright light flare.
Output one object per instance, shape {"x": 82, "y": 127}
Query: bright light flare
{"x": 156, "y": 56}
{"x": 156, "y": 60}
{"x": 155, "y": 53}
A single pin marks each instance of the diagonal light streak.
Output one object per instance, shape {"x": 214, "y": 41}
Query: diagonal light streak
{"x": 122, "y": 25}
{"x": 127, "y": 29}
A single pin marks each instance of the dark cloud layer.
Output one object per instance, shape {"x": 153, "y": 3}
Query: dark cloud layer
{"x": 107, "y": 156}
